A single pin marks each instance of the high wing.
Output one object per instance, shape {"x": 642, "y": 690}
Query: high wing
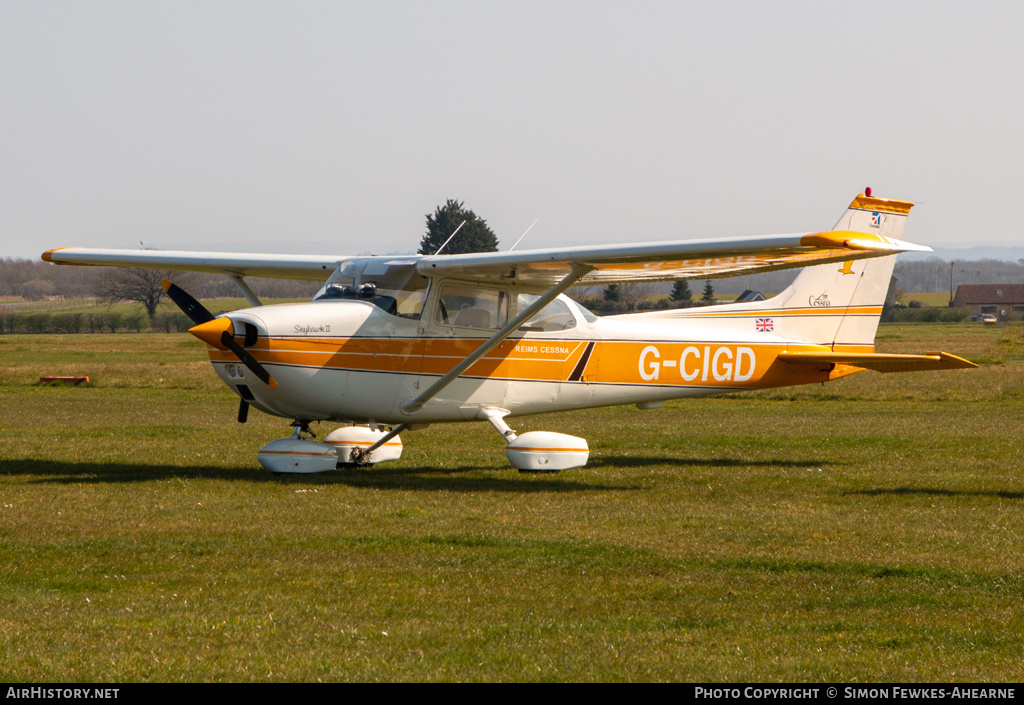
{"x": 655, "y": 261}
{"x": 664, "y": 261}
{"x": 545, "y": 268}
{"x": 309, "y": 267}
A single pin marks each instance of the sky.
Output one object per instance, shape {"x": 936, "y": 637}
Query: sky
{"x": 336, "y": 127}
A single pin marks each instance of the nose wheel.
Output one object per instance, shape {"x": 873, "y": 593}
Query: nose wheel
{"x": 302, "y": 431}
{"x": 298, "y": 453}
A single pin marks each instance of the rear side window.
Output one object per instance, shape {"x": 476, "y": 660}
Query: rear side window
{"x": 555, "y": 316}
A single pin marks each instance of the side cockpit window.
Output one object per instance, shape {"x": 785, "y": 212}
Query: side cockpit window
{"x": 395, "y": 287}
{"x": 472, "y": 307}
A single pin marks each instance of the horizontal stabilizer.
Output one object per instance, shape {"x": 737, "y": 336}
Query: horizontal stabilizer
{"x": 882, "y": 362}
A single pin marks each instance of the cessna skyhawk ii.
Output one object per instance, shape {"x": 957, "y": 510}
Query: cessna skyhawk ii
{"x": 395, "y": 343}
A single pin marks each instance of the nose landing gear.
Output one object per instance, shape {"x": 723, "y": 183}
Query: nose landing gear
{"x": 298, "y": 453}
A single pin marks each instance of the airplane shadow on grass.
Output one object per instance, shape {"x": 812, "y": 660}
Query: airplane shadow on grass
{"x": 455, "y": 479}
{"x": 936, "y": 492}
{"x": 630, "y": 462}
{"x": 423, "y": 478}
{"x": 458, "y": 479}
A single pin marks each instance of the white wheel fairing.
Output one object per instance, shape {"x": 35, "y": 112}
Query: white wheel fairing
{"x": 292, "y": 455}
{"x": 543, "y": 451}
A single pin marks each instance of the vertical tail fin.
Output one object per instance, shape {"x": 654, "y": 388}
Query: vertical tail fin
{"x": 843, "y": 302}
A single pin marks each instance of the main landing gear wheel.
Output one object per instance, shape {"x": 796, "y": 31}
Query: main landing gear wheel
{"x": 544, "y": 451}
{"x": 538, "y": 451}
{"x": 353, "y": 444}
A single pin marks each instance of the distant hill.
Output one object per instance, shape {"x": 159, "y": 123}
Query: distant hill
{"x": 1004, "y": 253}
{"x": 913, "y": 275}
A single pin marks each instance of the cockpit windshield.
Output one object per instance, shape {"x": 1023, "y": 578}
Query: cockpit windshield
{"x": 393, "y": 285}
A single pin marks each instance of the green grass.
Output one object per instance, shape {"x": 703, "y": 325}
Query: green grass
{"x": 871, "y": 529}
{"x": 934, "y": 298}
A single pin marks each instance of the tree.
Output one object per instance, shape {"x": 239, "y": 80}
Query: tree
{"x": 475, "y": 235}
{"x": 709, "y": 294}
{"x": 139, "y": 284}
{"x": 37, "y": 289}
{"x": 611, "y": 293}
{"x": 681, "y": 293}
{"x": 632, "y": 294}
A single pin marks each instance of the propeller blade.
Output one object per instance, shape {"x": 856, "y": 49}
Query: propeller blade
{"x": 228, "y": 341}
{"x": 243, "y": 410}
{"x": 192, "y": 308}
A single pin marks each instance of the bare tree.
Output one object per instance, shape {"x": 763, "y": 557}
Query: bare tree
{"x": 633, "y": 293}
{"x": 37, "y": 289}
{"x": 139, "y": 284}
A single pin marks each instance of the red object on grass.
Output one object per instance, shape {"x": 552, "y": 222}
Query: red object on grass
{"x": 72, "y": 380}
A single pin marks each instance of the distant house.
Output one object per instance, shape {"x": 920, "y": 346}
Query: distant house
{"x": 990, "y": 298}
{"x": 749, "y": 295}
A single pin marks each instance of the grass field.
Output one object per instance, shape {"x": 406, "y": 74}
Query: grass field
{"x": 867, "y": 530}
{"x": 936, "y": 298}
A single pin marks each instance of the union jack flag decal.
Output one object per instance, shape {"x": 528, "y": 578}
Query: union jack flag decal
{"x": 764, "y": 325}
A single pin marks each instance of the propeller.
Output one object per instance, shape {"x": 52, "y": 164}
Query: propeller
{"x": 219, "y": 332}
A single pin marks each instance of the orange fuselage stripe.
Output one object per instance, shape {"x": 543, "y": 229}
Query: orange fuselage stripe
{"x": 673, "y": 363}
{"x": 778, "y": 313}
{"x": 552, "y": 450}
{"x": 319, "y": 454}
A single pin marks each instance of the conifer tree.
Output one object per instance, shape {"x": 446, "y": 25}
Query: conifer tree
{"x": 681, "y": 293}
{"x": 475, "y": 235}
{"x": 709, "y": 294}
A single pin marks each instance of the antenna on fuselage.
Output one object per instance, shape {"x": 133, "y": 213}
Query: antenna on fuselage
{"x": 524, "y": 234}
{"x": 449, "y": 238}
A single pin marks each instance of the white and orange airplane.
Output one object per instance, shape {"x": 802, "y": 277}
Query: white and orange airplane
{"x": 396, "y": 343}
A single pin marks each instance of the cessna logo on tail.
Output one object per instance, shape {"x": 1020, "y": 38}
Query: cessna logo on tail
{"x": 819, "y": 300}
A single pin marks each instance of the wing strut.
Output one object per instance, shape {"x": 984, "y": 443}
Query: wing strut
{"x": 248, "y": 293}
{"x": 414, "y": 404}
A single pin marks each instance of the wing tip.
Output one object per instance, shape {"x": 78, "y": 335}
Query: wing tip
{"x": 48, "y": 255}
